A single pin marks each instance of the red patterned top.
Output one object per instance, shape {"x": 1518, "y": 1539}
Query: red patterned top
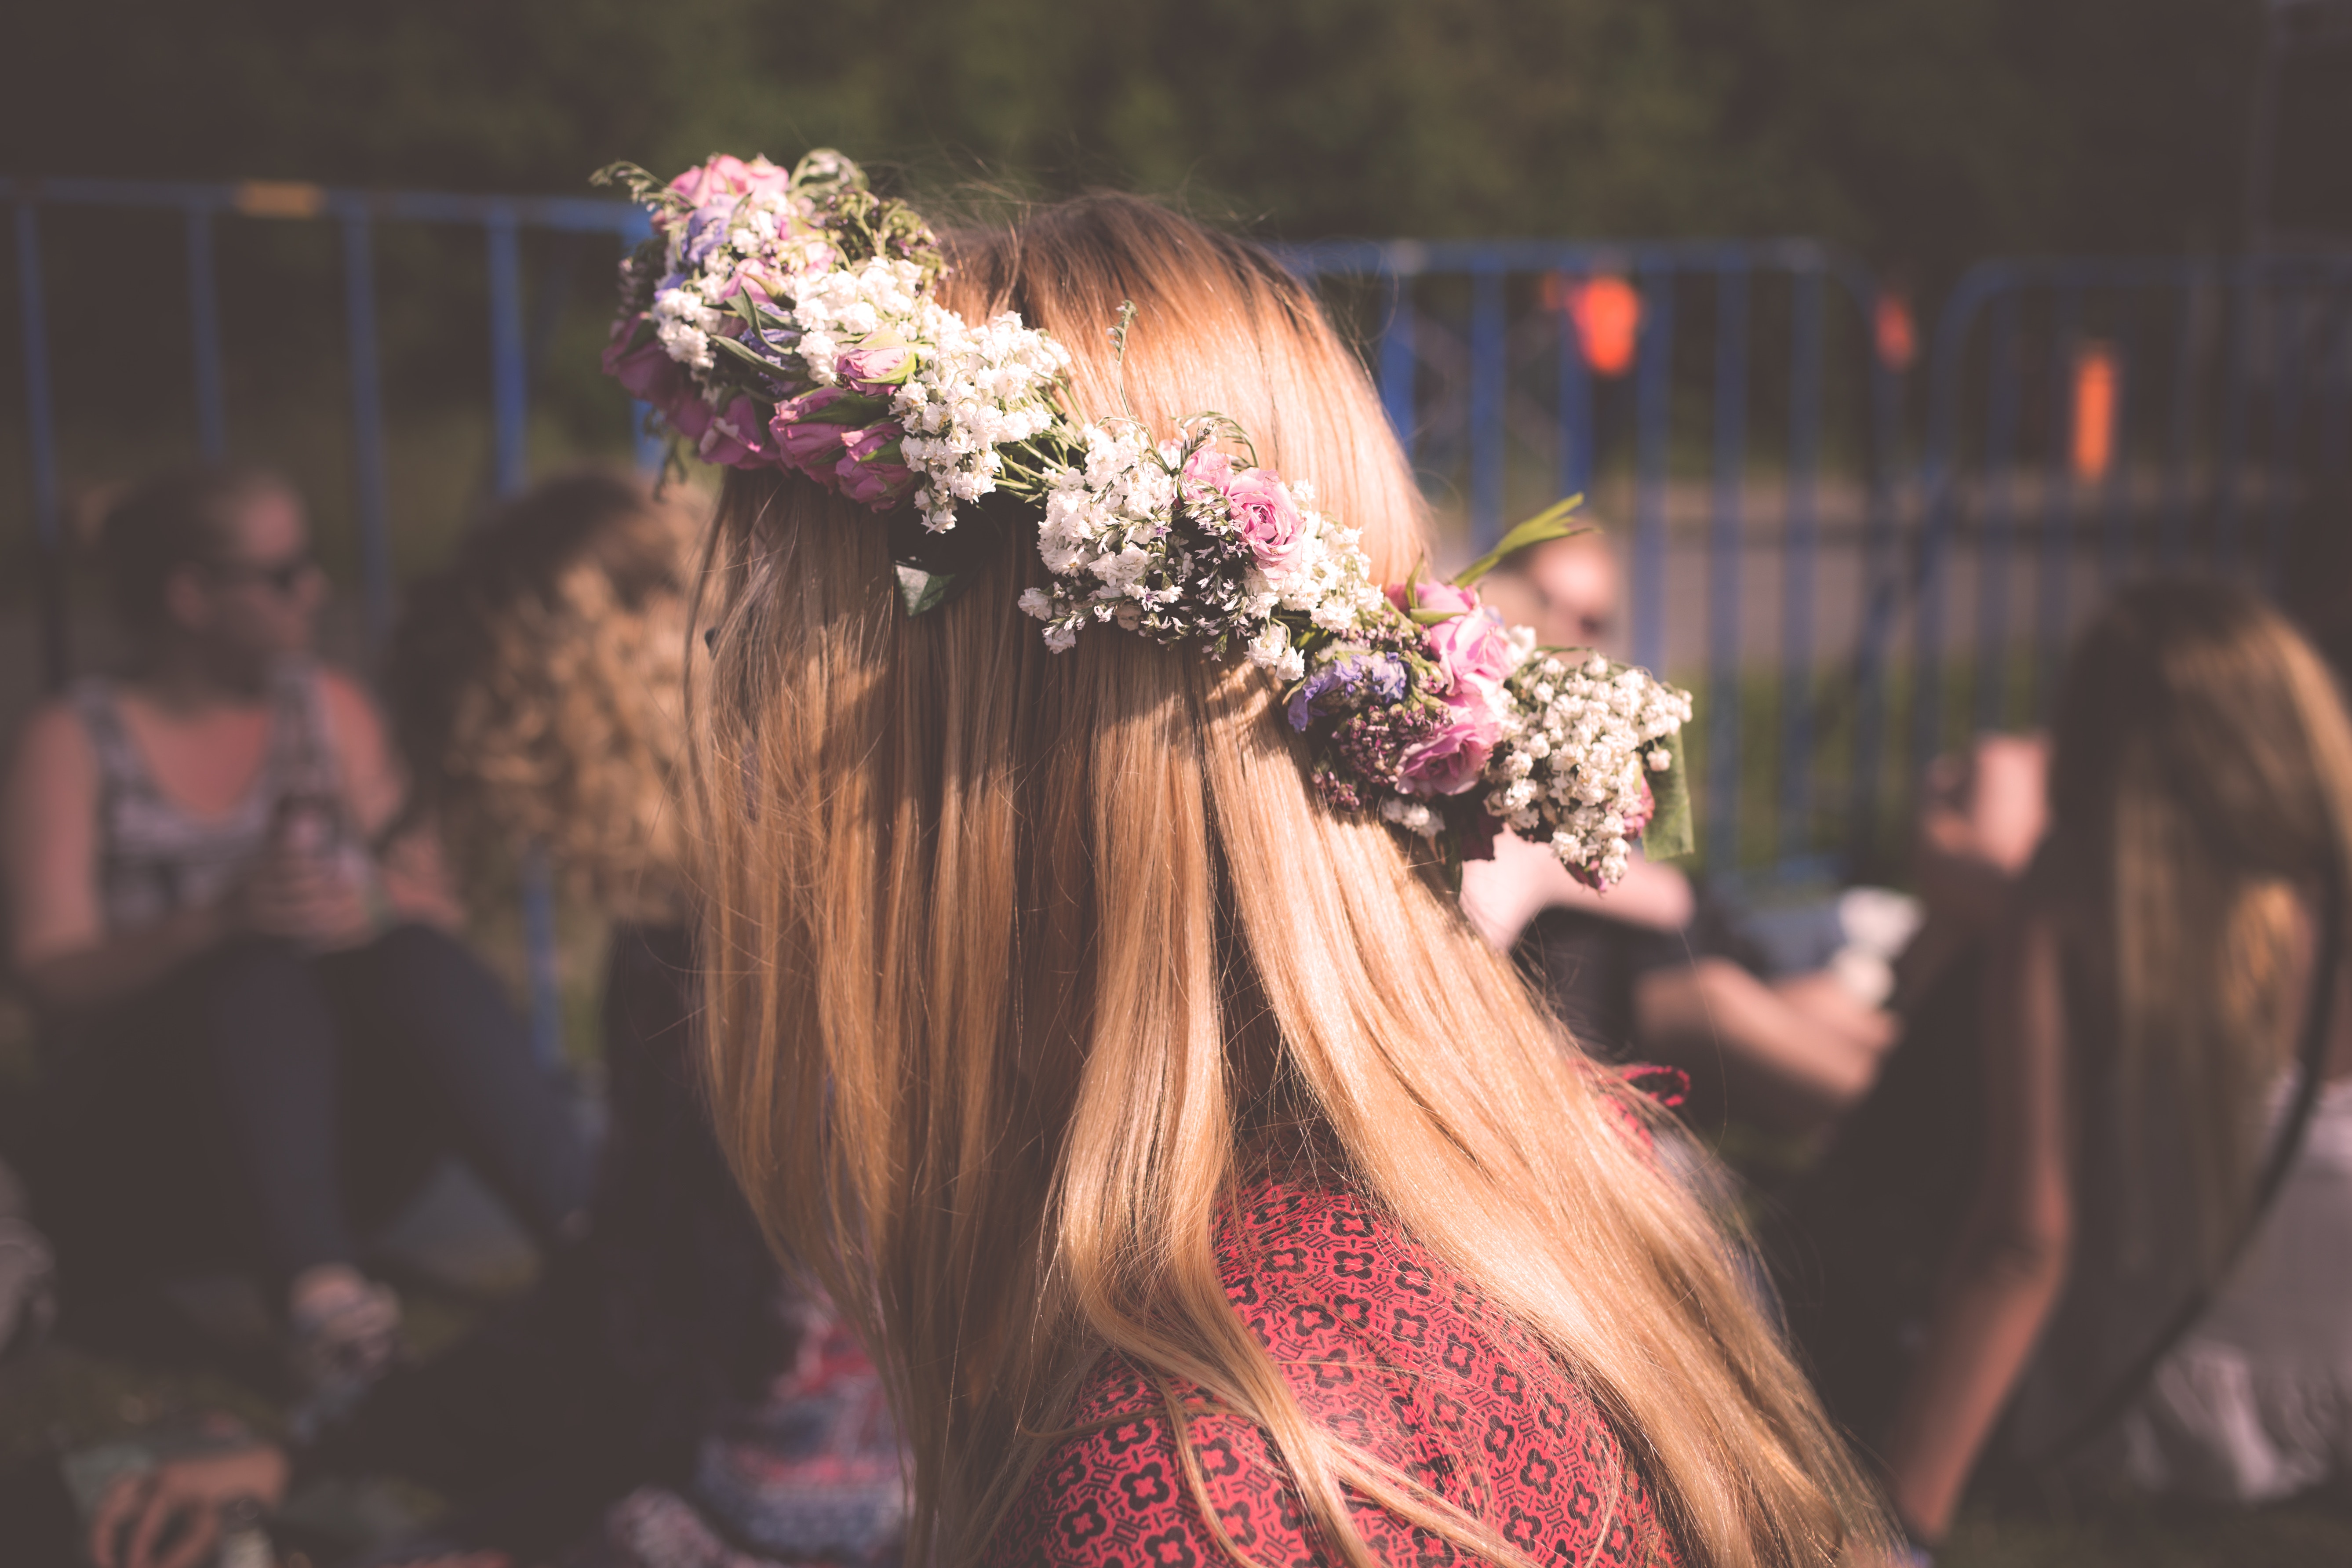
{"x": 1393, "y": 1352}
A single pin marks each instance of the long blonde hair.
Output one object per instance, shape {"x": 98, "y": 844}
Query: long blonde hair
{"x": 1018, "y": 961}
{"x": 2200, "y": 787}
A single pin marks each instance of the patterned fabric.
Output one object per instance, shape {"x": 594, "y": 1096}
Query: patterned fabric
{"x": 1388, "y": 1349}
{"x": 764, "y": 1408}
{"x": 810, "y": 1476}
{"x": 155, "y": 859}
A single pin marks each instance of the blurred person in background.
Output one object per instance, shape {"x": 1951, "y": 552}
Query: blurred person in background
{"x": 1654, "y": 967}
{"x": 2155, "y": 1245}
{"x": 667, "y": 1395}
{"x": 669, "y": 1376}
{"x": 258, "y": 1036}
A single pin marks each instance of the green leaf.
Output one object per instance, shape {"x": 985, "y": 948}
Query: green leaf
{"x": 1432, "y": 617}
{"x": 766, "y": 367}
{"x": 919, "y": 590}
{"x": 1669, "y": 834}
{"x": 1548, "y": 525}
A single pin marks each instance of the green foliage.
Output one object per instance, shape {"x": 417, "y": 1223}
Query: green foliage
{"x": 1924, "y": 131}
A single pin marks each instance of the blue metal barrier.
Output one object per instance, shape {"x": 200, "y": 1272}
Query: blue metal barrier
{"x": 501, "y": 219}
{"x": 2256, "y": 355}
{"x": 1412, "y": 272}
{"x": 1758, "y": 387}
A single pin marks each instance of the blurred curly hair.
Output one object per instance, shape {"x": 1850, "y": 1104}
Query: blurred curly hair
{"x": 536, "y": 688}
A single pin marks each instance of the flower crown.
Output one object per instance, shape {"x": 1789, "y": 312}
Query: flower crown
{"x": 787, "y": 320}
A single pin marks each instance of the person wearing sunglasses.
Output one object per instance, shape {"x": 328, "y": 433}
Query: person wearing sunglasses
{"x": 259, "y": 1036}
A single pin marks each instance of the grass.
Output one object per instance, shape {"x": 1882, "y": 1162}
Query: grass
{"x": 2310, "y": 1533}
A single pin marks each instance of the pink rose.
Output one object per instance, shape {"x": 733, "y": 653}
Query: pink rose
{"x": 1471, "y": 648}
{"x": 1450, "y": 761}
{"x": 1265, "y": 517}
{"x": 870, "y": 471}
{"x": 803, "y": 440}
{"x": 736, "y": 437}
{"x": 691, "y": 418}
{"x": 877, "y": 439}
{"x": 877, "y": 484}
{"x": 1432, "y": 595}
{"x": 880, "y": 363}
{"x": 727, "y": 175}
{"x": 1207, "y": 472}
{"x": 1637, "y": 817}
{"x": 646, "y": 372}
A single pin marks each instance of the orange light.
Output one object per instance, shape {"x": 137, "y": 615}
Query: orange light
{"x": 280, "y": 198}
{"x": 1898, "y": 339}
{"x": 1607, "y": 313}
{"x": 2098, "y": 377}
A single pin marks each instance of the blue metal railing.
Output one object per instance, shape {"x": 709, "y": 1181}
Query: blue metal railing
{"x": 501, "y": 220}
{"x": 1658, "y": 272}
{"x": 2257, "y": 353}
{"x": 2231, "y": 384}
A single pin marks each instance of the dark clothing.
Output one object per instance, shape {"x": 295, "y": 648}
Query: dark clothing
{"x": 1586, "y": 965}
{"x": 1858, "y": 1248}
{"x": 273, "y": 1106}
{"x": 667, "y": 1364}
{"x": 688, "y": 1289}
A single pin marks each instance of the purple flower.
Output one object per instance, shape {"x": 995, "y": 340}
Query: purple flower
{"x": 1343, "y": 683}
{"x": 706, "y": 228}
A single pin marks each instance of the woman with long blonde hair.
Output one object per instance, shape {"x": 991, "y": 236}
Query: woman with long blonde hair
{"x": 1206, "y": 1188}
{"x": 2153, "y": 1276}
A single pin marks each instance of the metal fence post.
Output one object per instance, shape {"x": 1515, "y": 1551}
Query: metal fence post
{"x": 367, "y": 425}
{"x": 1653, "y": 397}
{"x": 1997, "y": 535}
{"x": 1489, "y": 370}
{"x": 2246, "y": 315}
{"x": 653, "y": 450}
{"x": 509, "y": 365}
{"x": 1575, "y": 407}
{"x": 204, "y": 316}
{"x": 1799, "y": 546}
{"x": 41, "y": 443}
{"x": 1726, "y": 559}
{"x": 2287, "y": 373}
{"x": 1399, "y": 362}
{"x": 510, "y": 428}
{"x": 2334, "y": 463}
{"x": 2172, "y": 541}
{"x": 2058, "y": 500}
{"x": 1940, "y": 499}
{"x": 2115, "y": 552}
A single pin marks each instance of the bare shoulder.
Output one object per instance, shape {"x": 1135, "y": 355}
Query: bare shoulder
{"x": 52, "y": 746}
{"x": 350, "y": 705}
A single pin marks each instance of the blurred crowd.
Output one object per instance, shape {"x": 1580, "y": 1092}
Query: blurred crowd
{"x": 2064, "y": 1183}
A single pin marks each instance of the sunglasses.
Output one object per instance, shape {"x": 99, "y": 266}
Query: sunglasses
{"x": 282, "y": 577}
